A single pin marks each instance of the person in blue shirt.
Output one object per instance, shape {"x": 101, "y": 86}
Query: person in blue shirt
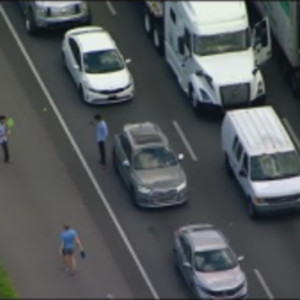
{"x": 69, "y": 240}
{"x": 102, "y": 134}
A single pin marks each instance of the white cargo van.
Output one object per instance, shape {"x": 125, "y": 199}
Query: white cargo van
{"x": 211, "y": 49}
{"x": 261, "y": 155}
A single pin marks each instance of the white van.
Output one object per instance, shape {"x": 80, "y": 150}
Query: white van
{"x": 261, "y": 155}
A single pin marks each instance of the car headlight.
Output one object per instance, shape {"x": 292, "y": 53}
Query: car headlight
{"x": 260, "y": 88}
{"x": 181, "y": 186}
{"x": 143, "y": 190}
{"x": 41, "y": 11}
{"x": 84, "y": 7}
{"x": 205, "y": 96}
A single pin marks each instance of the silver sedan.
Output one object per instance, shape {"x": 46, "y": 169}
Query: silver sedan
{"x": 207, "y": 263}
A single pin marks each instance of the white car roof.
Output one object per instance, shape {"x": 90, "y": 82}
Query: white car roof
{"x": 260, "y": 130}
{"x": 92, "y": 38}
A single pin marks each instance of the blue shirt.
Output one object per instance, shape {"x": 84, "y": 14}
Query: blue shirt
{"x": 102, "y": 131}
{"x": 2, "y": 133}
{"x": 68, "y": 238}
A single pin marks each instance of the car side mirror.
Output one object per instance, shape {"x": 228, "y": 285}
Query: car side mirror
{"x": 186, "y": 264}
{"x": 76, "y": 67}
{"x": 128, "y": 61}
{"x": 180, "y": 156}
{"x": 126, "y": 163}
{"x": 241, "y": 258}
{"x": 243, "y": 173}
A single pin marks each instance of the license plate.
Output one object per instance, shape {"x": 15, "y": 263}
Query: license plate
{"x": 112, "y": 97}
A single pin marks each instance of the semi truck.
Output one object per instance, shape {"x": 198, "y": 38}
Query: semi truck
{"x": 210, "y": 47}
{"x": 284, "y": 19}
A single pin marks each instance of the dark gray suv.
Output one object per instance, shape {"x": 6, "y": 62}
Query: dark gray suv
{"x": 148, "y": 166}
{"x": 47, "y": 14}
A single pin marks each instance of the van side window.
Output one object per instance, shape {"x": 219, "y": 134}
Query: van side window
{"x": 173, "y": 16}
{"x": 245, "y": 163}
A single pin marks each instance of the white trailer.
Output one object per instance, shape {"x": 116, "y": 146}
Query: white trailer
{"x": 284, "y": 19}
{"x": 211, "y": 49}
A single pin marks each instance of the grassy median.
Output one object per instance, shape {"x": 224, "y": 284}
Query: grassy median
{"x": 6, "y": 289}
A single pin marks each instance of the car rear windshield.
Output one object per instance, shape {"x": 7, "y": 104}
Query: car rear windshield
{"x": 215, "y": 260}
{"x": 275, "y": 166}
{"x": 154, "y": 158}
{"x": 102, "y": 61}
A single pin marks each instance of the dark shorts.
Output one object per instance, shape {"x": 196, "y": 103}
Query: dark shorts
{"x": 67, "y": 252}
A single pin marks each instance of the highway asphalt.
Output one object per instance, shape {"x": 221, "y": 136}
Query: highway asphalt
{"x": 271, "y": 246}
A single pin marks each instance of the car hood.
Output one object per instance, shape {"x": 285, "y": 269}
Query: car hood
{"x": 222, "y": 280}
{"x": 109, "y": 81}
{"x": 277, "y": 188}
{"x": 57, "y": 3}
{"x": 161, "y": 178}
{"x": 229, "y": 68}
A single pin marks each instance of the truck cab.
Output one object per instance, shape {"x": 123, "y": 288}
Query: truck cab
{"x": 213, "y": 52}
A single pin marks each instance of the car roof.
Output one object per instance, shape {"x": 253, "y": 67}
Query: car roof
{"x": 145, "y": 134}
{"x": 204, "y": 237}
{"x": 92, "y": 38}
{"x": 260, "y": 130}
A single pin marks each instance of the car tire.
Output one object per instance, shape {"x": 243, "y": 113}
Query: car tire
{"x": 115, "y": 162}
{"x": 193, "y": 99}
{"x": 64, "y": 61}
{"x": 30, "y": 24}
{"x": 133, "y": 197}
{"x": 252, "y": 213}
{"x": 81, "y": 91}
{"x": 227, "y": 166}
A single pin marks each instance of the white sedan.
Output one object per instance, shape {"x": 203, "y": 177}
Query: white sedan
{"x": 97, "y": 66}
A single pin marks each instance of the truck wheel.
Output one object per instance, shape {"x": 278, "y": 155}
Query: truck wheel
{"x": 227, "y": 166}
{"x": 147, "y": 23}
{"x": 30, "y": 24}
{"x": 193, "y": 99}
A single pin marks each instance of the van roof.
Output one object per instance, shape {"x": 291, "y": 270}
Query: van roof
{"x": 260, "y": 130}
{"x": 213, "y": 12}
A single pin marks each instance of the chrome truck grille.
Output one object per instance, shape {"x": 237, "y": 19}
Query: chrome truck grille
{"x": 235, "y": 94}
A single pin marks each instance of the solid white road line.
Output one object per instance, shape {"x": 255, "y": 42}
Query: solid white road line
{"x": 185, "y": 141}
{"x": 111, "y": 8}
{"x": 263, "y": 284}
{"x": 291, "y": 132}
{"x": 79, "y": 154}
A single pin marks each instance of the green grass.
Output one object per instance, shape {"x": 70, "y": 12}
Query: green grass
{"x": 6, "y": 289}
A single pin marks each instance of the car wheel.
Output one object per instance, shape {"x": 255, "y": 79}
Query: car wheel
{"x": 133, "y": 196}
{"x": 175, "y": 260}
{"x": 82, "y": 95}
{"x": 147, "y": 23}
{"x": 227, "y": 166}
{"x": 251, "y": 209}
{"x": 193, "y": 98}
{"x": 63, "y": 58}
{"x": 30, "y": 24}
{"x": 115, "y": 162}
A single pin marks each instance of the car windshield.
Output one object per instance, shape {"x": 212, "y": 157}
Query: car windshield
{"x": 275, "y": 166}
{"x": 221, "y": 43}
{"x": 154, "y": 158}
{"x": 102, "y": 61}
{"x": 215, "y": 260}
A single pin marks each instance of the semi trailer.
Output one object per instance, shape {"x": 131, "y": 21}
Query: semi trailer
{"x": 210, "y": 47}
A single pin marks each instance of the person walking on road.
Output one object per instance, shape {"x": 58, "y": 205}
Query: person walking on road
{"x": 69, "y": 240}
{"x": 3, "y": 138}
{"x": 102, "y": 133}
